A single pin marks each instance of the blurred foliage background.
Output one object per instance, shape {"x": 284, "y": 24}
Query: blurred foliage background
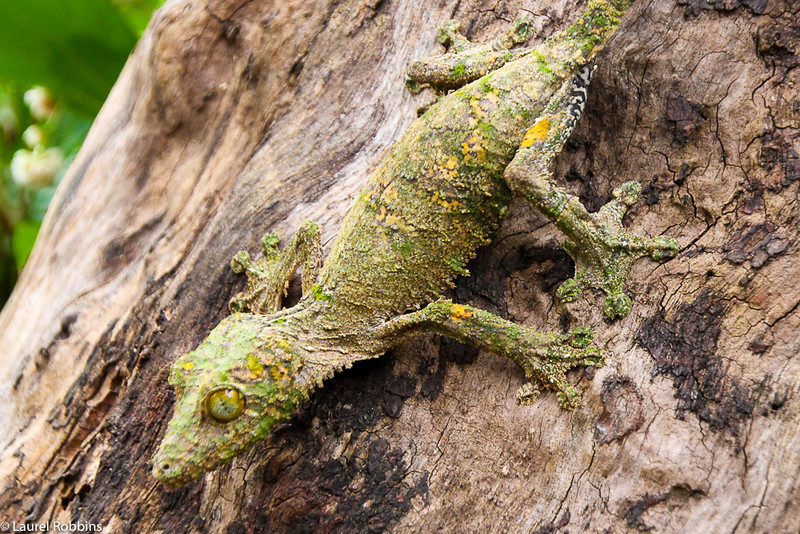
{"x": 58, "y": 62}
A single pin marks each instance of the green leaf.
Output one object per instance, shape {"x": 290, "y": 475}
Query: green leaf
{"x": 137, "y": 12}
{"x": 76, "y": 48}
{"x": 22, "y": 241}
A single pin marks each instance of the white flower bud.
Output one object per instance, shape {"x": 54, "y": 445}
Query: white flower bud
{"x": 33, "y": 136}
{"x": 40, "y": 103}
{"x": 36, "y": 168}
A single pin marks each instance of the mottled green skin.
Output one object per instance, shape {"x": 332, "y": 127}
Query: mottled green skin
{"x": 242, "y": 352}
{"x": 434, "y": 200}
{"x": 440, "y": 192}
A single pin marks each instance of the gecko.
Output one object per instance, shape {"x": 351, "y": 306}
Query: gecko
{"x": 503, "y": 115}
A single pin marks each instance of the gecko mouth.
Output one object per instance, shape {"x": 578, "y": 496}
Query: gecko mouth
{"x": 163, "y": 473}
{"x": 169, "y": 472}
{"x": 172, "y": 465}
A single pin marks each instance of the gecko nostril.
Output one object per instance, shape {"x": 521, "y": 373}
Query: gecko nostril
{"x": 165, "y": 467}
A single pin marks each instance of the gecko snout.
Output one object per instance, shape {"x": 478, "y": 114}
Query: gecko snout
{"x": 168, "y": 468}
{"x": 168, "y": 473}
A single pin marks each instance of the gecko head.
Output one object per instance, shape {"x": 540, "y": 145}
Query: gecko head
{"x": 230, "y": 391}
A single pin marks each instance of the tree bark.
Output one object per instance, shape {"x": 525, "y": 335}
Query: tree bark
{"x": 233, "y": 118}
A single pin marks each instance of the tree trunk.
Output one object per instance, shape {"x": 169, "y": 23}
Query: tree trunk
{"x": 233, "y": 118}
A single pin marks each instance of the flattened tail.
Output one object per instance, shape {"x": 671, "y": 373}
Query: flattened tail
{"x": 579, "y": 86}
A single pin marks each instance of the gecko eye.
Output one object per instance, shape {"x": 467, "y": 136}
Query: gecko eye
{"x": 224, "y": 404}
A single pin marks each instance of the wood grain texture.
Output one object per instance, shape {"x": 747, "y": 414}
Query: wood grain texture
{"x": 235, "y": 117}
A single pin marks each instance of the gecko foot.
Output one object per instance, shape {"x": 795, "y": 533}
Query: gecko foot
{"x": 547, "y": 370}
{"x": 465, "y": 61}
{"x": 268, "y": 278}
{"x": 450, "y": 36}
{"x": 605, "y": 252}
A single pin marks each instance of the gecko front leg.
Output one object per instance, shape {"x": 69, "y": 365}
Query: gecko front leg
{"x": 603, "y": 251}
{"x": 268, "y": 278}
{"x": 467, "y": 61}
{"x": 545, "y": 357}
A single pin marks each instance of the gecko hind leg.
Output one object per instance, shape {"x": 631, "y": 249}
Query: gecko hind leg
{"x": 268, "y": 278}
{"x": 605, "y": 252}
{"x": 465, "y": 61}
{"x": 545, "y": 357}
{"x": 601, "y": 247}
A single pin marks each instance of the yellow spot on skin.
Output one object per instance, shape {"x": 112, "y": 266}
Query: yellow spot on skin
{"x": 276, "y": 373}
{"x": 450, "y": 205}
{"x": 473, "y": 148}
{"x": 451, "y": 163}
{"x": 254, "y": 365}
{"x": 538, "y": 132}
{"x": 188, "y": 366}
{"x": 477, "y": 110}
{"x": 459, "y": 312}
{"x": 389, "y": 194}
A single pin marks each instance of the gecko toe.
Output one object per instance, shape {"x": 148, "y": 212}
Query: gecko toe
{"x": 617, "y": 305}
